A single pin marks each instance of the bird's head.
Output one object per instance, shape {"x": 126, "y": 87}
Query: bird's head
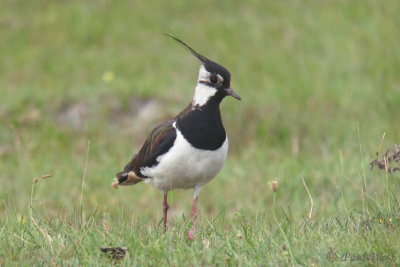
{"x": 214, "y": 79}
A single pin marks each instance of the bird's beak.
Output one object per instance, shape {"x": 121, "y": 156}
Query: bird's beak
{"x": 230, "y": 92}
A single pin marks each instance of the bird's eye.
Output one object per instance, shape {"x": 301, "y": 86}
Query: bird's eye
{"x": 213, "y": 79}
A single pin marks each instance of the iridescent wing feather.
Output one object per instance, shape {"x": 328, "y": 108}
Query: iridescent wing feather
{"x": 158, "y": 143}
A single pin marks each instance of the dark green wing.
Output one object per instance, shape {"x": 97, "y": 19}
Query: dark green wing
{"x": 158, "y": 143}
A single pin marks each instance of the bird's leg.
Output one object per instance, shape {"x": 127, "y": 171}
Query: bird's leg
{"x": 194, "y": 217}
{"x": 165, "y": 211}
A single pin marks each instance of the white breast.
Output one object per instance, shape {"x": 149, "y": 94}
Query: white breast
{"x": 184, "y": 166}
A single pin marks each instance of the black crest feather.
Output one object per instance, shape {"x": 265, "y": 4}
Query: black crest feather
{"x": 194, "y": 52}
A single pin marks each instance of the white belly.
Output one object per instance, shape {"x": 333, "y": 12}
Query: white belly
{"x": 184, "y": 166}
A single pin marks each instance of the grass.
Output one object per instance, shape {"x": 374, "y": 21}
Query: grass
{"x": 320, "y": 87}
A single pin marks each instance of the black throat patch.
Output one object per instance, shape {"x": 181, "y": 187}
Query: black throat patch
{"x": 202, "y": 126}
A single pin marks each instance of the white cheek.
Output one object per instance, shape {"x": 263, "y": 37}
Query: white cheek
{"x": 202, "y": 93}
{"x": 203, "y": 74}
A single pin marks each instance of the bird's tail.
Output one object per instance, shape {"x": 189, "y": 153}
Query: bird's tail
{"x": 126, "y": 178}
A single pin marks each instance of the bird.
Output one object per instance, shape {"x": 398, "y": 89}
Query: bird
{"x": 189, "y": 150}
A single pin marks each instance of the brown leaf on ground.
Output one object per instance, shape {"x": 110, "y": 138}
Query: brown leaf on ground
{"x": 390, "y": 158}
{"x": 114, "y": 253}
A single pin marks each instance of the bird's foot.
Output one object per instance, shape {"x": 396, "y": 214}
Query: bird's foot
{"x": 191, "y": 234}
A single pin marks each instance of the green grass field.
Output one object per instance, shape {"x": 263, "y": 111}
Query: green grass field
{"x": 82, "y": 83}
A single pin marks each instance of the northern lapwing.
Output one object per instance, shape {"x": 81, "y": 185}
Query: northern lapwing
{"x": 190, "y": 149}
